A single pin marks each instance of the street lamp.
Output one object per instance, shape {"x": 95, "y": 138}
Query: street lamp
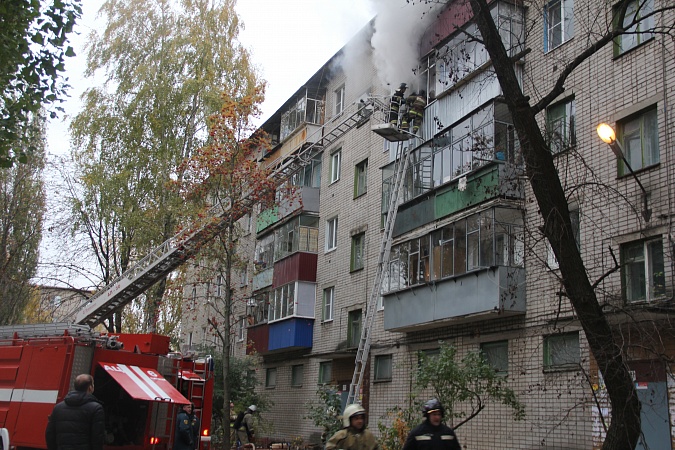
{"x": 608, "y": 136}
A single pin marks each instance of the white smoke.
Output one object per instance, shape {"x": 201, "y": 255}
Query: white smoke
{"x": 399, "y": 26}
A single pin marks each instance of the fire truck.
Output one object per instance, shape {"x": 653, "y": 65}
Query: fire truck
{"x": 141, "y": 384}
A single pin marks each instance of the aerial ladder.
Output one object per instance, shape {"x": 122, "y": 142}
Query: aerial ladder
{"x": 393, "y": 133}
{"x": 175, "y": 251}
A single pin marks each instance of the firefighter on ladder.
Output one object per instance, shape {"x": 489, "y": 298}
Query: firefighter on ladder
{"x": 397, "y": 100}
{"x": 415, "y": 110}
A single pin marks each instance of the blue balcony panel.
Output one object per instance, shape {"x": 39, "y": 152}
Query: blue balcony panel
{"x": 291, "y": 334}
{"x": 481, "y": 294}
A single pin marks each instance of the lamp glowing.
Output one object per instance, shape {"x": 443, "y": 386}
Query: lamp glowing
{"x": 606, "y": 133}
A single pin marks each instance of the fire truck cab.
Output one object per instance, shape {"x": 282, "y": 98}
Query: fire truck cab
{"x": 141, "y": 385}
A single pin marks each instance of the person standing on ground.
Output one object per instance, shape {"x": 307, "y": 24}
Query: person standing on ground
{"x": 432, "y": 433}
{"x": 246, "y": 429}
{"x": 78, "y": 422}
{"x": 187, "y": 429}
{"x": 353, "y": 435}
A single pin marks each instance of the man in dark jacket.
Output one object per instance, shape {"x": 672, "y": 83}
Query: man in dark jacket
{"x": 187, "y": 430}
{"x": 78, "y": 422}
{"x": 432, "y": 433}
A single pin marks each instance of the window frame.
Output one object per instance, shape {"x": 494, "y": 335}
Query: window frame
{"x": 339, "y": 100}
{"x": 560, "y": 142}
{"x": 638, "y": 37}
{"x": 354, "y": 327}
{"x": 335, "y": 165}
{"x": 331, "y": 233}
{"x": 501, "y": 345}
{"x": 241, "y": 329}
{"x": 325, "y": 372}
{"x": 361, "y": 178}
{"x": 565, "y": 9}
{"x": 648, "y": 121}
{"x": 651, "y": 249}
{"x": 571, "y": 343}
{"x": 327, "y": 309}
{"x": 357, "y": 259}
{"x": 294, "y": 375}
{"x": 271, "y": 381}
{"x": 382, "y": 359}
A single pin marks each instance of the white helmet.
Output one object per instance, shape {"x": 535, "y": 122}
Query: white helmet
{"x": 350, "y": 411}
{"x": 252, "y": 408}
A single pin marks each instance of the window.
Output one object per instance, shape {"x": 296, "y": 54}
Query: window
{"x": 325, "y": 372}
{"x": 219, "y": 286}
{"x": 241, "y": 329}
{"x": 427, "y": 355}
{"x": 640, "y": 31}
{"x": 354, "y": 328}
{"x": 243, "y": 276}
{"x": 561, "y": 126}
{"x": 642, "y": 270}
{"x": 561, "y": 351}
{"x": 383, "y": 368}
{"x": 558, "y": 23}
{"x": 361, "y": 178}
{"x": 331, "y": 233}
{"x": 335, "y": 160}
{"x": 328, "y": 302}
{"x": 298, "y": 234}
{"x": 640, "y": 138}
{"x": 496, "y": 354}
{"x": 271, "y": 377}
{"x": 358, "y": 247}
{"x": 297, "y": 374}
{"x": 282, "y": 302}
{"x": 574, "y": 217}
{"x": 310, "y": 174}
{"x": 339, "y": 99}
{"x": 264, "y": 253}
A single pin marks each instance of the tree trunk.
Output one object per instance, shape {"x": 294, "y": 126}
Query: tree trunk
{"x": 624, "y": 429}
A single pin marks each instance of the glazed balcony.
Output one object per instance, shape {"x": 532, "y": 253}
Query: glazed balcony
{"x": 493, "y": 292}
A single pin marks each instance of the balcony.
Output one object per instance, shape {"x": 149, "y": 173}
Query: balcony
{"x": 487, "y": 293}
{"x": 257, "y": 339}
{"x": 306, "y": 134}
{"x": 304, "y": 197}
{"x": 290, "y": 334}
{"x": 496, "y": 180}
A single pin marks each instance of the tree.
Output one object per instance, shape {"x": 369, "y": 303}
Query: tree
{"x": 551, "y": 200}
{"x": 164, "y": 71}
{"x": 34, "y": 37}
{"x": 464, "y": 387}
{"x": 224, "y": 176}
{"x": 243, "y": 384}
{"x": 325, "y": 411}
{"x": 23, "y": 200}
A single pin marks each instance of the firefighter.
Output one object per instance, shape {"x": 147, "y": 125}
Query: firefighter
{"x": 78, "y": 422}
{"x": 395, "y": 104}
{"x": 353, "y": 435}
{"x": 245, "y": 426}
{"x": 187, "y": 429}
{"x": 415, "y": 113}
{"x": 432, "y": 433}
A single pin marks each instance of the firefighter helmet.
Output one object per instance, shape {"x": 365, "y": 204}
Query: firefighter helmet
{"x": 432, "y": 405}
{"x": 350, "y": 411}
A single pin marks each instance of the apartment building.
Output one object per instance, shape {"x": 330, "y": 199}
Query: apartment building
{"x": 468, "y": 264}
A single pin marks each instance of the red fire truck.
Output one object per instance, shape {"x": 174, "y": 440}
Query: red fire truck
{"x": 140, "y": 383}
